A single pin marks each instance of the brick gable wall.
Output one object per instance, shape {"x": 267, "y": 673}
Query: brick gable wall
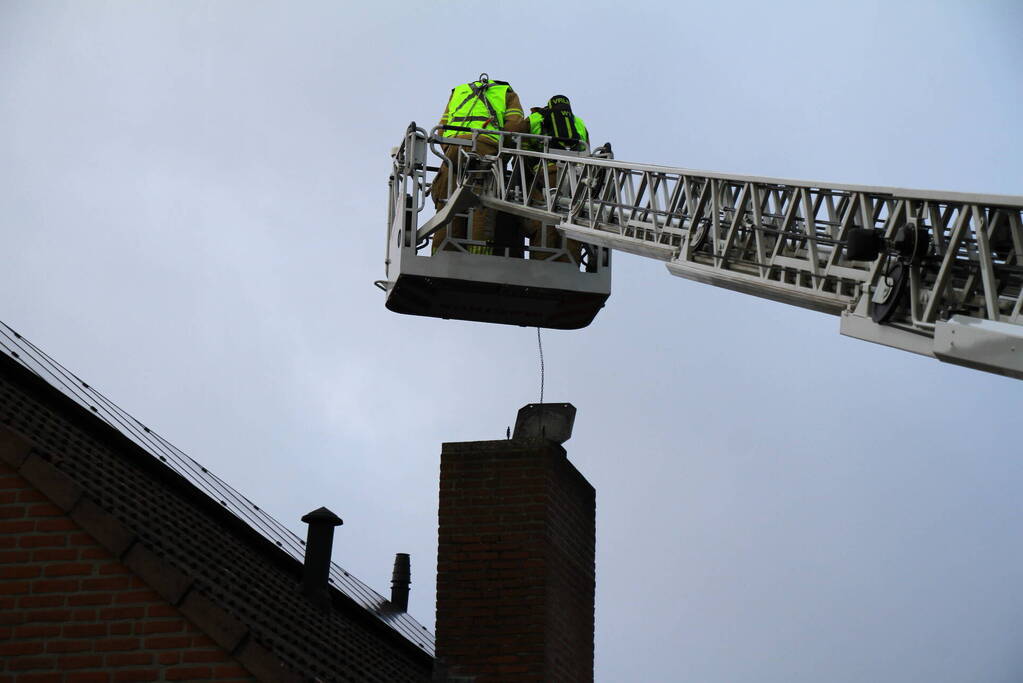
{"x": 70, "y": 612}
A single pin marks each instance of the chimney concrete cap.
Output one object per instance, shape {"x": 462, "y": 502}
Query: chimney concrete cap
{"x": 551, "y": 421}
{"x": 322, "y": 516}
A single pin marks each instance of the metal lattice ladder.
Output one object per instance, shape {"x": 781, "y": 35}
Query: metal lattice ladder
{"x": 942, "y": 274}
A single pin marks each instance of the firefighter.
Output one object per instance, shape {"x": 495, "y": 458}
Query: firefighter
{"x": 567, "y": 131}
{"x": 483, "y": 104}
{"x": 558, "y": 121}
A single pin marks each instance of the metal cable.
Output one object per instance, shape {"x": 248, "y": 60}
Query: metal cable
{"x": 114, "y": 415}
{"x": 539, "y": 345}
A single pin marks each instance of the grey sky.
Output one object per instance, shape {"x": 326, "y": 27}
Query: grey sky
{"x": 192, "y": 205}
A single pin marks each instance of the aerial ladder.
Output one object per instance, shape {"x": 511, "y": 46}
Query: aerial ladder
{"x": 936, "y": 273}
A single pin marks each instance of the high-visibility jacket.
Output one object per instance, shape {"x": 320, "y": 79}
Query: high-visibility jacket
{"x": 486, "y": 105}
{"x": 561, "y": 124}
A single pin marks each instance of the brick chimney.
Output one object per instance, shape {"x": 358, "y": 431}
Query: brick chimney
{"x": 515, "y": 564}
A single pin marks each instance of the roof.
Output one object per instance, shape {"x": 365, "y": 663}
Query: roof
{"x": 229, "y": 550}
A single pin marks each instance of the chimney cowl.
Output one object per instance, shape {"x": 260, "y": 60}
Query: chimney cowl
{"x": 551, "y": 421}
{"x": 322, "y": 516}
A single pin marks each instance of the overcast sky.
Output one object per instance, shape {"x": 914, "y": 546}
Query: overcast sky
{"x": 192, "y": 206}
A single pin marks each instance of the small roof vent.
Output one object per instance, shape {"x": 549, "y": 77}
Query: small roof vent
{"x": 318, "y": 546}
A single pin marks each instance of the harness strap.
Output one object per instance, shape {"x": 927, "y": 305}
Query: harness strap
{"x": 480, "y": 93}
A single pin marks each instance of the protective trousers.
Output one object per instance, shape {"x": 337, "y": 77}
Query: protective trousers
{"x": 439, "y": 190}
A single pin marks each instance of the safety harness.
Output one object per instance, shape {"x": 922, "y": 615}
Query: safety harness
{"x": 478, "y": 91}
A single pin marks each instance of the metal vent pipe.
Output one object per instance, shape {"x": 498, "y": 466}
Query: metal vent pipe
{"x": 319, "y": 542}
{"x": 401, "y": 579}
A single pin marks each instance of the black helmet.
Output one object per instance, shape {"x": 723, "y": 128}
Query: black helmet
{"x": 559, "y": 103}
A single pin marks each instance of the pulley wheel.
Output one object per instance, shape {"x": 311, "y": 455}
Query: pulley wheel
{"x": 698, "y": 233}
{"x": 891, "y": 294}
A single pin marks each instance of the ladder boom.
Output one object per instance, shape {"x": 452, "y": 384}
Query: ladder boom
{"x": 918, "y": 270}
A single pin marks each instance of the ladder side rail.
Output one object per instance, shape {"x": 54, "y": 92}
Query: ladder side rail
{"x": 998, "y": 201}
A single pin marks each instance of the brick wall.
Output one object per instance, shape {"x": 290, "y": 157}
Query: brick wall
{"x": 70, "y": 612}
{"x": 515, "y": 565}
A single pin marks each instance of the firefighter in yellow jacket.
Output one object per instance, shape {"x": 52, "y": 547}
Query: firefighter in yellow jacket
{"x": 481, "y": 105}
{"x": 567, "y": 131}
